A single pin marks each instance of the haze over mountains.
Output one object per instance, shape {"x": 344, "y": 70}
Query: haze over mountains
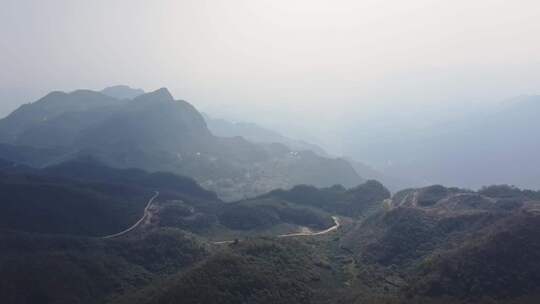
{"x": 411, "y": 147}
{"x": 269, "y": 152}
{"x": 493, "y": 145}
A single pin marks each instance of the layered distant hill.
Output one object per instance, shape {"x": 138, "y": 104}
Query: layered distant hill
{"x": 84, "y": 197}
{"x": 153, "y": 131}
{"x": 258, "y": 134}
{"x": 495, "y": 145}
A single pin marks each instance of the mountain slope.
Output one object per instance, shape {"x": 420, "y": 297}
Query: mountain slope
{"x": 255, "y": 271}
{"x": 37, "y": 268}
{"x": 439, "y": 244}
{"x": 50, "y": 107}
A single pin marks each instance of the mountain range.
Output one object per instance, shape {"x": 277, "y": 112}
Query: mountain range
{"x": 107, "y": 197}
{"x": 155, "y": 132}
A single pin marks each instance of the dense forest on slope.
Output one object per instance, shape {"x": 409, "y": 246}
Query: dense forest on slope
{"x": 85, "y": 197}
{"x": 336, "y": 199}
{"x": 254, "y": 271}
{"x": 427, "y": 245}
{"x": 36, "y": 268}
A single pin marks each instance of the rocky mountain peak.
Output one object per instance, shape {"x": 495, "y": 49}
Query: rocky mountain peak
{"x": 161, "y": 94}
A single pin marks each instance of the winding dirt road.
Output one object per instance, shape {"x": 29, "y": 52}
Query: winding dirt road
{"x": 145, "y": 215}
{"x": 337, "y": 224}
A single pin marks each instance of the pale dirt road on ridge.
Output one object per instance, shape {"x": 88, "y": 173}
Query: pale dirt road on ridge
{"x": 145, "y": 215}
{"x": 307, "y": 233}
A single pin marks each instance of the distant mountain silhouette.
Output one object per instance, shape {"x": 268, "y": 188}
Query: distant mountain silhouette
{"x": 24, "y": 124}
{"x": 257, "y": 134}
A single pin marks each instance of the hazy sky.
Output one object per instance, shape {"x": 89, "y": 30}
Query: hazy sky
{"x": 317, "y": 59}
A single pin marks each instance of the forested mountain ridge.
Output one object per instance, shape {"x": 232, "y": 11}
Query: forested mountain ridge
{"x": 422, "y": 245}
{"x": 54, "y": 220}
{"x": 450, "y": 245}
{"x": 258, "y": 134}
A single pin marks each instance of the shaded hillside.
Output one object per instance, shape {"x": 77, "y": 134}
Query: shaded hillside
{"x": 263, "y": 216}
{"x": 501, "y": 262}
{"x": 257, "y": 134}
{"x": 60, "y": 269}
{"x": 31, "y": 156}
{"x": 427, "y": 245}
{"x": 29, "y": 117}
{"x": 84, "y": 197}
{"x": 264, "y": 213}
{"x": 90, "y": 169}
{"x": 258, "y": 271}
{"x": 360, "y": 200}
